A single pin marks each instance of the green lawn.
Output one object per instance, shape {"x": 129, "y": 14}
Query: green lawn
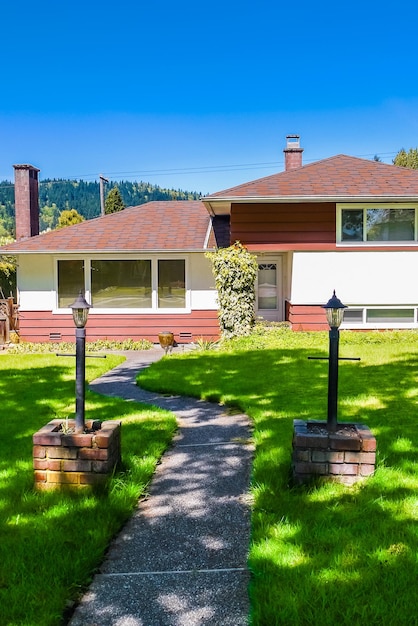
{"x": 325, "y": 554}
{"x": 51, "y": 543}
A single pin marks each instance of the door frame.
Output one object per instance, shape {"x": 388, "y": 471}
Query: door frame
{"x": 277, "y": 314}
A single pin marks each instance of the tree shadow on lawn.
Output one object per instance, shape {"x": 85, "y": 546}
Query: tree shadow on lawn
{"x": 33, "y": 397}
{"x": 276, "y": 386}
{"x": 52, "y": 542}
{"x": 326, "y": 554}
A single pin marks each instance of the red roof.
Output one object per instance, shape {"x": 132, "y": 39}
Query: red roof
{"x": 184, "y": 225}
{"x": 167, "y": 225}
{"x": 339, "y": 177}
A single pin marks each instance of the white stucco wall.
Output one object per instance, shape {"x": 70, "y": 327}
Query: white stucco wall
{"x": 359, "y": 278}
{"x": 202, "y": 283}
{"x": 35, "y": 281}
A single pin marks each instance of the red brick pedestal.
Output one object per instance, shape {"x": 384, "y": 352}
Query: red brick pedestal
{"x": 69, "y": 460}
{"x": 346, "y": 456}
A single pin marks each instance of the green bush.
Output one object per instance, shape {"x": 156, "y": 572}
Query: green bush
{"x": 235, "y": 271}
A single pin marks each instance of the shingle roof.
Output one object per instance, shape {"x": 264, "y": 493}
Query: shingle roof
{"x": 184, "y": 225}
{"x": 165, "y": 225}
{"x": 340, "y": 176}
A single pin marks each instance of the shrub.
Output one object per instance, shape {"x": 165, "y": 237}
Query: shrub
{"x": 235, "y": 271}
{"x": 91, "y": 346}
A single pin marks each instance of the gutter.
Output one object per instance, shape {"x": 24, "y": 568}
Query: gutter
{"x": 96, "y": 251}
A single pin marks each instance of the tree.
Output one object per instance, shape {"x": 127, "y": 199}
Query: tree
{"x": 3, "y": 230}
{"x": 407, "y": 159}
{"x": 7, "y": 270}
{"x": 68, "y": 218}
{"x": 235, "y": 271}
{"x": 48, "y": 217}
{"x": 114, "y": 202}
{"x": 65, "y": 194}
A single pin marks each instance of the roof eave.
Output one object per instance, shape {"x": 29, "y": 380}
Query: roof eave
{"x": 218, "y": 206}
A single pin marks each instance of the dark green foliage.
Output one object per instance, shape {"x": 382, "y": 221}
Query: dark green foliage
{"x": 57, "y": 195}
{"x": 7, "y": 213}
{"x": 114, "y": 202}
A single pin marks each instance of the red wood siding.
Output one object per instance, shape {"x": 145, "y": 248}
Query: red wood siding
{"x": 307, "y": 317}
{"x": 296, "y": 223}
{"x": 38, "y": 325}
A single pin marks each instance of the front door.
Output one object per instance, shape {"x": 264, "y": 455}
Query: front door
{"x": 269, "y": 292}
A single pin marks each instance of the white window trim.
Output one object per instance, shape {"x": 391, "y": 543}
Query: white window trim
{"x": 154, "y": 310}
{"x": 374, "y": 205}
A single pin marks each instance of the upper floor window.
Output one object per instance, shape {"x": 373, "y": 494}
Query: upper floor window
{"x": 377, "y": 224}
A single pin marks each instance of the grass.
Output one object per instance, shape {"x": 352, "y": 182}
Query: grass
{"x": 52, "y": 543}
{"x": 325, "y": 554}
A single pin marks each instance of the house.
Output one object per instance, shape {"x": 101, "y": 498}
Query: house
{"x": 341, "y": 223}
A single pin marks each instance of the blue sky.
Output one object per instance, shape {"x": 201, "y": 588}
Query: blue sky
{"x": 201, "y": 96}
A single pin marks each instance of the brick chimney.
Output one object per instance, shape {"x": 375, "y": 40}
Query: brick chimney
{"x": 26, "y": 201}
{"x": 292, "y": 153}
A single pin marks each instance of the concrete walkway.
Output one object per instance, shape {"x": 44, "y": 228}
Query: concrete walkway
{"x": 181, "y": 559}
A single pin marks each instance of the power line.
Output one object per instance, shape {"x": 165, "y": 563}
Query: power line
{"x": 222, "y": 168}
{"x": 204, "y": 169}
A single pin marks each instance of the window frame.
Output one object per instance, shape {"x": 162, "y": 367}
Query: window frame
{"x": 94, "y": 295}
{"x": 365, "y": 206}
{"x": 154, "y": 309}
{"x": 57, "y": 281}
{"x": 366, "y": 324}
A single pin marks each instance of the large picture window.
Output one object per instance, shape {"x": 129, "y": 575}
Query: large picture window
{"x": 378, "y": 224}
{"x": 70, "y": 281}
{"x": 136, "y": 284}
{"x": 171, "y": 284}
{"x": 121, "y": 284}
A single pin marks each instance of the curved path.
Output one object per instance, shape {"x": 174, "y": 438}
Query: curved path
{"x": 181, "y": 560}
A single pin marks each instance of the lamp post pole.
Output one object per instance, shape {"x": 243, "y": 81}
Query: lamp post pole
{"x": 80, "y": 309}
{"x": 334, "y": 340}
{"x": 335, "y": 313}
{"x": 80, "y": 375}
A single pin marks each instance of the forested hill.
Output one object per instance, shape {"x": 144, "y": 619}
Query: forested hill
{"x": 58, "y": 195}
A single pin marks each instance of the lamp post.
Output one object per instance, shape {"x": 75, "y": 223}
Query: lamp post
{"x": 80, "y": 309}
{"x": 335, "y": 312}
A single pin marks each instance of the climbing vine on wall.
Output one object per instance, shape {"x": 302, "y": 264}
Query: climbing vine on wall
{"x": 235, "y": 271}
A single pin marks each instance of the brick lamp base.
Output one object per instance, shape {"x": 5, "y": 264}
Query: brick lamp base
{"x": 68, "y": 460}
{"x": 346, "y": 456}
